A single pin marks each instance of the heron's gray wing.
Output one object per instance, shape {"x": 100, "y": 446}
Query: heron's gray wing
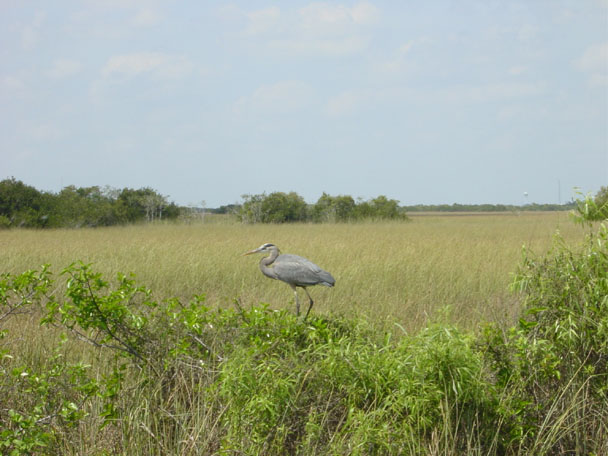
{"x": 297, "y": 270}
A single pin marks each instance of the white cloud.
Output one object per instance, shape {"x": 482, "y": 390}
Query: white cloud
{"x": 517, "y": 70}
{"x": 365, "y": 13}
{"x": 281, "y": 97}
{"x": 164, "y": 69}
{"x": 263, "y": 21}
{"x": 147, "y": 18}
{"x": 594, "y": 61}
{"x": 331, "y": 18}
{"x": 64, "y": 67}
{"x": 330, "y": 29}
{"x": 161, "y": 65}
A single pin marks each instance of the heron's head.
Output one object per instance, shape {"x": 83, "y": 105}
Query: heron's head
{"x": 268, "y": 247}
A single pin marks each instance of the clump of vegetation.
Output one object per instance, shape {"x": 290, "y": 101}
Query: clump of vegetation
{"x": 554, "y": 363}
{"x": 279, "y": 207}
{"x": 593, "y": 209}
{"x": 24, "y": 206}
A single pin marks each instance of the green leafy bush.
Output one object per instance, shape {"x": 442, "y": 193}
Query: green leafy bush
{"x": 39, "y": 405}
{"x": 555, "y": 361}
{"x": 589, "y": 209}
{"x": 334, "y": 208}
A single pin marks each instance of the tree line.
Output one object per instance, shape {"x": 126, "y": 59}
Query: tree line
{"x": 280, "y": 207}
{"x": 488, "y": 207}
{"x": 22, "y": 205}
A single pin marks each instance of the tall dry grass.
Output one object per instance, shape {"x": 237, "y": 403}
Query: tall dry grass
{"x": 434, "y": 267}
{"x": 453, "y": 268}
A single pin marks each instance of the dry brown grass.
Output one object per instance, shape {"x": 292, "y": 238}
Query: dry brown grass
{"x": 435, "y": 267}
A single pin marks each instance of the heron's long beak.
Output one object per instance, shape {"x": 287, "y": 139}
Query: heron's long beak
{"x": 251, "y": 252}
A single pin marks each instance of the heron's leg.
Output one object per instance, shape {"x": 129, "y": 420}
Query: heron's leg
{"x": 311, "y": 303}
{"x": 295, "y": 292}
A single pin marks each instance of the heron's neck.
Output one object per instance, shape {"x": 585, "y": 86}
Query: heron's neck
{"x": 267, "y": 261}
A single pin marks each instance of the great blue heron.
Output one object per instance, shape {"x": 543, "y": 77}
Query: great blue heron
{"x": 293, "y": 270}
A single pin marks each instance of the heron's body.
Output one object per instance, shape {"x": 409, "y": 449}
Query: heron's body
{"x": 294, "y": 270}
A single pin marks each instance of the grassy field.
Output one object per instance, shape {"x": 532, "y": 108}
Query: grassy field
{"x": 188, "y": 380}
{"x": 459, "y": 266}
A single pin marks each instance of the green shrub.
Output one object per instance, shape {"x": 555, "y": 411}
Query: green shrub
{"x": 277, "y": 207}
{"x": 589, "y": 209}
{"x": 555, "y": 361}
{"x": 334, "y": 209}
{"x": 333, "y": 386}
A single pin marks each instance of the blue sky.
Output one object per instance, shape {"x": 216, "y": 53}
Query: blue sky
{"x": 425, "y": 102}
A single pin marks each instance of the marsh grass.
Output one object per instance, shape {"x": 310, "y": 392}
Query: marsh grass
{"x": 261, "y": 382}
{"x": 454, "y": 268}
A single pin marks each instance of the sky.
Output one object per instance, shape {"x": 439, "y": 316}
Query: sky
{"x": 426, "y": 102}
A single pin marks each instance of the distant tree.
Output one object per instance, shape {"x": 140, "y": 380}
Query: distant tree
{"x": 344, "y": 207}
{"x": 322, "y": 209}
{"x": 171, "y": 211}
{"x": 333, "y": 208}
{"x": 80, "y": 206}
{"x": 363, "y": 209}
{"x": 386, "y": 209}
{"x": 154, "y": 205}
{"x": 251, "y": 209}
{"x": 277, "y": 207}
{"x": 20, "y": 203}
{"x": 145, "y": 204}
